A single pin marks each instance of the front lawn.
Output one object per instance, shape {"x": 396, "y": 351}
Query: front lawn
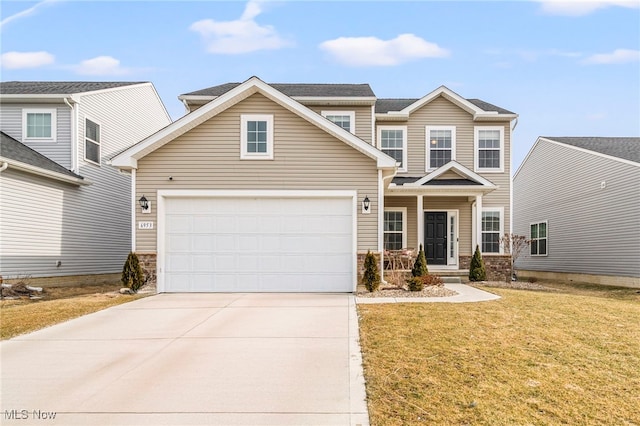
{"x": 570, "y": 355}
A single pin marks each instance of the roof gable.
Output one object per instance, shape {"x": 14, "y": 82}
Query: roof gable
{"x": 457, "y": 168}
{"x": 128, "y": 158}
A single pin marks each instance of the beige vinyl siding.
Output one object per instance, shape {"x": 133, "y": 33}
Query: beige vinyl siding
{"x": 591, "y": 230}
{"x": 305, "y": 158}
{"x": 58, "y": 151}
{"x": 363, "y": 123}
{"x": 412, "y": 222}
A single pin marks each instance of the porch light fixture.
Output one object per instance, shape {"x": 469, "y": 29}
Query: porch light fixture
{"x": 145, "y": 204}
{"x": 366, "y": 204}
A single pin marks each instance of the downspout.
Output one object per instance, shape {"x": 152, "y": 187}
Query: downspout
{"x": 74, "y": 135}
{"x": 4, "y": 166}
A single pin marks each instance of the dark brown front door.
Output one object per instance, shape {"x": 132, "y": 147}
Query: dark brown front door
{"x": 435, "y": 237}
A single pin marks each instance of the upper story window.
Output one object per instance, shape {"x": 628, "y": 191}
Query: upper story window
{"x": 92, "y": 141}
{"x": 539, "y": 235}
{"x": 256, "y": 136}
{"x": 395, "y": 231}
{"x": 489, "y": 149}
{"x": 344, "y": 119}
{"x": 440, "y": 146}
{"x": 393, "y": 142}
{"x": 491, "y": 230}
{"x": 39, "y": 124}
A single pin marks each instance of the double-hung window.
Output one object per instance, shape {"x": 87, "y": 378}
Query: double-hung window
{"x": 39, "y": 124}
{"x": 92, "y": 141}
{"x": 393, "y": 142}
{"x": 344, "y": 119}
{"x": 395, "y": 232}
{"x": 489, "y": 149}
{"x": 440, "y": 146}
{"x": 539, "y": 235}
{"x": 256, "y": 136}
{"x": 491, "y": 230}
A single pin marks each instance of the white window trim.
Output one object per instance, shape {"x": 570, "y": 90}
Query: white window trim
{"x": 54, "y": 123}
{"x": 546, "y": 222}
{"x": 351, "y": 114}
{"x": 405, "y": 156}
{"x": 476, "y": 150}
{"x": 427, "y": 144}
{"x": 500, "y": 210}
{"x": 84, "y": 141}
{"x": 244, "y": 155}
{"x": 402, "y": 210}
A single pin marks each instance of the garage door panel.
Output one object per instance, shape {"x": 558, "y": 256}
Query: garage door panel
{"x": 259, "y": 244}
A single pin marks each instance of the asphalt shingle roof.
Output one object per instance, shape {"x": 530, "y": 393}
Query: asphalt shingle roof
{"x": 298, "y": 90}
{"x": 627, "y": 148}
{"x": 58, "y": 87}
{"x": 15, "y": 150}
{"x": 386, "y": 105}
{"x": 402, "y": 180}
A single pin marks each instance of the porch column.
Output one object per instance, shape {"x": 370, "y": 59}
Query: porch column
{"x": 420, "y": 217}
{"x": 477, "y": 234}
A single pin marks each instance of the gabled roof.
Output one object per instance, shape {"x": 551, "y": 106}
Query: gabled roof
{"x": 18, "y": 155}
{"x": 624, "y": 148}
{"x": 58, "y": 87}
{"x": 297, "y": 90}
{"x": 386, "y": 105}
{"x": 469, "y": 183}
{"x": 128, "y": 159}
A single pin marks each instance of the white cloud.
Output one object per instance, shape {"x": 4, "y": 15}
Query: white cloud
{"x": 243, "y": 35}
{"x": 101, "y": 65}
{"x": 24, "y": 13}
{"x": 582, "y": 7}
{"x": 372, "y": 51}
{"x": 618, "y": 56}
{"x": 20, "y": 60}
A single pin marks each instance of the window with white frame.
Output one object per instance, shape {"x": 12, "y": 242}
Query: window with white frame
{"x": 539, "y": 235}
{"x": 256, "y": 136}
{"x": 440, "y": 146}
{"x": 491, "y": 230}
{"x": 92, "y": 141}
{"x": 344, "y": 119}
{"x": 39, "y": 124}
{"x": 489, "y": 149}
{"x": 395, "y": 232}
{"x": 393, "y": 142}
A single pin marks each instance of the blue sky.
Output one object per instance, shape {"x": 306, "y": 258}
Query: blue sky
{"x": 568, "y": 68}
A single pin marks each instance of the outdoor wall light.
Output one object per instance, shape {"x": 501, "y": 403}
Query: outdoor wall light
{"x": 145, "y": 204}
{"x": 366, "y": 204}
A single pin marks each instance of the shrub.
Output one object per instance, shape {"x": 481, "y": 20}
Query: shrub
{"x": 434, "y": 280}
{"x": 371, "y": 276}
{"x": 532, "y": 280}
{"x": 132, "y": 276}
{"x": 415, "y": 283}
{"x": 420, "y": 265}
{"x": 476, "y": 269}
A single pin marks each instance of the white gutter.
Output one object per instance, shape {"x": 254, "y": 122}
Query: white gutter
{"x": 74, "y": 134}
{"x": 4, "y": 166}
{"x": 43, "y": 172}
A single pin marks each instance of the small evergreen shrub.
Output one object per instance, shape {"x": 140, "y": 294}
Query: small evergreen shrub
{"x": 420, "y": 265}
{"x": 416, "y": 283}
{"x": 371, "y": 276}
{"x": 132, "y": 276}
{"x": 476, "y": 269}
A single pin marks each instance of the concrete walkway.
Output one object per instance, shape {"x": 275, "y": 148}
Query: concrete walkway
{"x": 192, "y": 359}
{"x": 465, "y": 294}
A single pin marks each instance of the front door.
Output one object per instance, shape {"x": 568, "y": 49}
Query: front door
{"x": 435, "y": 237}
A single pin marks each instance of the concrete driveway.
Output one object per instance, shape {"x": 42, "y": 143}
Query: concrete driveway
{"x": 192, "y": 359}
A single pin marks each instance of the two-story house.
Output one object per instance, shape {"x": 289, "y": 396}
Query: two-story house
{"x": 64, "y": 213}
{"x": 285, "y": 187}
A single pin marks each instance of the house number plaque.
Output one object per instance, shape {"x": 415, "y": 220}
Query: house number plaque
{"x": 145, "y": 225}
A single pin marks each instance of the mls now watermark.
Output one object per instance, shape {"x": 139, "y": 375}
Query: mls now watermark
{"x": 28, "y": 414}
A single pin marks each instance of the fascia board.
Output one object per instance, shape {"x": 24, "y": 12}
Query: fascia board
{"x": 18, "y": 165}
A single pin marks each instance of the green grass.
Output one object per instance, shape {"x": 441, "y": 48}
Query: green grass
{"x": 567, "y": 356}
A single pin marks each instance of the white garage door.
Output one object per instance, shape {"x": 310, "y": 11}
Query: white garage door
{"x": 258, "y": 245}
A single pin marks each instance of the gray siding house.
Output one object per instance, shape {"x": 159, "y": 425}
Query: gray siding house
{"x": 578, "y": 200}
{"x": 64, "y": 213}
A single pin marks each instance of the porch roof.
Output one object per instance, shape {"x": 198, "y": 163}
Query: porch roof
{"x": 402, "y": 180}
{"x": 467, "y": 183}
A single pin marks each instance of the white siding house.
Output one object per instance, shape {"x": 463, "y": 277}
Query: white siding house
{"x": 64, "y": 212}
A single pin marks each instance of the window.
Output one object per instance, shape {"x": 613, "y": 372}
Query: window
{"x": 539, "y": 235}
{"x": 440, "y": 146}
{"x": 92, "y": 141}
{"x": 256, "y": 137}
{"x": 39, "y": 124}
{"x": 344, "y": 119}
{"x": 393, "y": 142}
{"x": 489, "y": 143}
{"x": 395, "y": 233}
{"x": 491, "y": 230}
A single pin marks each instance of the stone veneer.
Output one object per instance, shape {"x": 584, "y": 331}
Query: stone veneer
{"x": 148, "y": 265}
{"x": 497, "y": 267}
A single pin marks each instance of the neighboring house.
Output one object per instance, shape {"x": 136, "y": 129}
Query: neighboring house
{"x": 285, "y": 187}
{"x": 578, "y": 200}
{"x": 64, "y": 213}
